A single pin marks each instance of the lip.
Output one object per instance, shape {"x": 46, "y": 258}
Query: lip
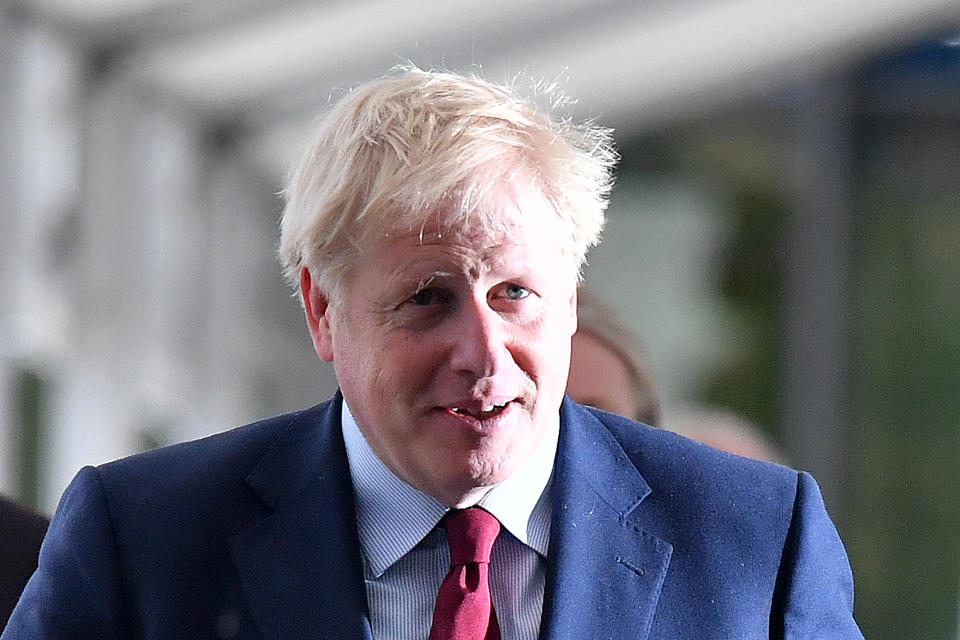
{"x": 475, "y": 403}
{"x": 478, "y": 424}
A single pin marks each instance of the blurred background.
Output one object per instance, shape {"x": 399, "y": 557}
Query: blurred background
{"x": 784, "y": 235}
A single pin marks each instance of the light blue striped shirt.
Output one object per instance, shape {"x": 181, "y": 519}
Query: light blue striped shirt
{"x": 405, "y": 555}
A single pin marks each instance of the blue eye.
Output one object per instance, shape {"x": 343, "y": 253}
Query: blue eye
{"x": 516, "y": 292}
{"x": 423, "y": 297}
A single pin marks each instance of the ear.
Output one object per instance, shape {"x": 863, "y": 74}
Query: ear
{"x": 316, "y": 305}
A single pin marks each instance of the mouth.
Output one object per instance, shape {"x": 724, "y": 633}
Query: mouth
{"x": 483, "y": 412}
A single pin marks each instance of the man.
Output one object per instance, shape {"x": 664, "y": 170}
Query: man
{"x": 435, "y": 228}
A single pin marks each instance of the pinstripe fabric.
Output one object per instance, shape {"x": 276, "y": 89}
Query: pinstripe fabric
{"x": 406, "y": 557}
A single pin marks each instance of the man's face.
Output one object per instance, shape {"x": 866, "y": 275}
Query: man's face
{"x": 452, "y": 350}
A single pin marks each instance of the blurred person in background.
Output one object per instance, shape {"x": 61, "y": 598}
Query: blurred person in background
{"x": 725, "y": 430}
{"x": 435, "y": 229}
{"x": 608, "y": 369}
{"x": 21, "y": 532}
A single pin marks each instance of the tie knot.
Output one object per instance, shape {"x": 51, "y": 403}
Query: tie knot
{"x": 470, "y": 534}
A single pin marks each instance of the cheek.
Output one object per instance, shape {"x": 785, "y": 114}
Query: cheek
{"x": 547, "y": 356}
{"x": 358, "y": 360}
{"x": 401, "y": 365}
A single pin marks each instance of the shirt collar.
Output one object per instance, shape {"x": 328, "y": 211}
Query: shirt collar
{"x": 393, "y": 517}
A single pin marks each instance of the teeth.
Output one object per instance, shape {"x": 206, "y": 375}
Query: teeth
{"x": 485, "y": 409}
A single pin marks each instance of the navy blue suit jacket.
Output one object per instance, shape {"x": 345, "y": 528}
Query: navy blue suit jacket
{"x": 251, "y": 534}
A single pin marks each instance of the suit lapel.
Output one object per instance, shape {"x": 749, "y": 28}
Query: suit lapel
{"x": 300, "y": 564}
{"x": 300, "y": 567}
{"x": 605, "y": 573}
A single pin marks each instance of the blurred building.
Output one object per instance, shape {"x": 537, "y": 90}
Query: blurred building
{"x": 783, "y": 222}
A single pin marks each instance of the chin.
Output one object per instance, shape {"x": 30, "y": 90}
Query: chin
{"x": 489, "y": 471}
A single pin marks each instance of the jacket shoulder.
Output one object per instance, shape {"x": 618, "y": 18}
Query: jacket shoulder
{"x": 697, "y": 491}
{"x": 203, "y": 472}
{"x": 662, "y": 454}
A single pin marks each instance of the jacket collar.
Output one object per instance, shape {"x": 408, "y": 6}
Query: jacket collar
{"x": 300, "y": 565}
{"x": 605, "y": 572}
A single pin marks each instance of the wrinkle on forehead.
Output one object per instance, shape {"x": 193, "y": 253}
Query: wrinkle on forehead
{"x": 423, "y": 261}
{"x": 473, "y": 245}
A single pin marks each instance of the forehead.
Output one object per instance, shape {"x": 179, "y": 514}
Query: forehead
{"x": 472, "y": 252}
{"x": 513, "y": 228}
{"x": 530, "y": 249}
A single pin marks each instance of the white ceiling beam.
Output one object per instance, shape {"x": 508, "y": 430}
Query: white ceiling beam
{"x": 306, "y": 43}
{"x": 690, "y": 60}
{"x": 87, "y": 14}
{"x": 641, "y": 55}
{"x": 640, "y": 70}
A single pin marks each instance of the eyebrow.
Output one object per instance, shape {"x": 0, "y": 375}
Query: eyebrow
{"x": 428, "y": 280}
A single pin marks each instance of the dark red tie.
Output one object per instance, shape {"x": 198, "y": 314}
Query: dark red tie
{"x": 464, "y": 610}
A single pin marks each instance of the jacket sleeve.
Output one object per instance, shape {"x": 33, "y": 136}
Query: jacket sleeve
{"x": 814, "y": 592}
{"x": 75, "y": 591}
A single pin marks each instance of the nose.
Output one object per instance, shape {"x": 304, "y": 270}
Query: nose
{"x": 480, "y": 340}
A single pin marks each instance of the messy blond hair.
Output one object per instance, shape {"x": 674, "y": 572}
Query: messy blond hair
{"x": 422, "y": 146}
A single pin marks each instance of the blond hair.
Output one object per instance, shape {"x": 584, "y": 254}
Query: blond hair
{"x": 422, "y": 146}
